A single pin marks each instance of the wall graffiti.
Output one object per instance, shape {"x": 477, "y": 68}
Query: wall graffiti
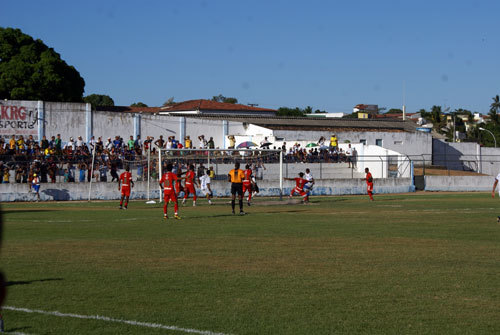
{"x": 18, "y": 120}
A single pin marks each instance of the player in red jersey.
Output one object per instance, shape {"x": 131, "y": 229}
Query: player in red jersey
{"x": 248, "y": 183}
{"x": 126, "y": 183}
{"x": 299, "y": 187}
{"x": 369, "y": 183}
{"x": 189, "y": 185}
{"x": 167, "y": 181}
{"x": 178, "y": 185}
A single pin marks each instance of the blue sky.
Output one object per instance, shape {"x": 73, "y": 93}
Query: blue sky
{"x": 330, "y": 55}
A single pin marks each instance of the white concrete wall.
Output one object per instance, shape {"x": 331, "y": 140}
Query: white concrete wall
{"x": 466, "y": 156}
{"x": 459, "y": 184}
{"x": 417, "y": 143}
{"x": 67, "y": 119}
{"x": 221, "y": 188}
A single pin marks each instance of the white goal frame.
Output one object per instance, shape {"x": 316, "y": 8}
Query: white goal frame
{"x": 235, "y": 154}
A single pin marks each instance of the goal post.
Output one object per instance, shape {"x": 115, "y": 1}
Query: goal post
{"x": 267, "y": 164}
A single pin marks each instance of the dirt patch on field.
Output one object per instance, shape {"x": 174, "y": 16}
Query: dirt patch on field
{"x": 433, "y": 171}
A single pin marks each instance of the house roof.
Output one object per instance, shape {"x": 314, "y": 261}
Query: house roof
{"x": 315, "y": 124}
{"x": 209, "y": 105}
{"x": 128, "y": 109}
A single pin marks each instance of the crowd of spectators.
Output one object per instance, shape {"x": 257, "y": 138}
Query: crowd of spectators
{"x": 56, "y": 160}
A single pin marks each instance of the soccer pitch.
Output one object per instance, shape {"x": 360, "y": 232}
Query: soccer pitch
{"x": 412, "y": 263}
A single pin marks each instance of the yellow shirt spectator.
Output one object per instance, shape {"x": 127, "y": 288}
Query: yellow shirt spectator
{"x": 333, "y": 141}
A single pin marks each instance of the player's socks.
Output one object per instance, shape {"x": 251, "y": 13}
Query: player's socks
{"x": 240, "y": 202}
{"x": 209, "y": 201}
{"x": 194, "y": 203}
{"x": 232, "y": 205}
{"x": 184, "y": 201}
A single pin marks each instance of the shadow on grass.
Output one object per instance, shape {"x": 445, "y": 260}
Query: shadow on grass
{"x": 27, "y": 282}
{"x": 15, "y": 330}
{"x": 24, "y": 210}
{"x": 217, "y": 216}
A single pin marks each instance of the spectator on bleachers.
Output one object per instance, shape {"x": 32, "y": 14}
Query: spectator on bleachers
{"x": 109, "y": 144}
{"x": 210, "y": 143}
{"x": 187, "y": 142}
{"x": 131, "y": 143}
{"x": 160, "y": 143}
{"x": 79, "y": 142}
{"x": 203, "y": 142}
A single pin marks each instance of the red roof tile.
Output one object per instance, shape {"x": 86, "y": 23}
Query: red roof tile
{"x": 209, "y": 105}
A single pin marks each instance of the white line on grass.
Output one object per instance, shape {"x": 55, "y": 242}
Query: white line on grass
{"x": 105, "y": 318}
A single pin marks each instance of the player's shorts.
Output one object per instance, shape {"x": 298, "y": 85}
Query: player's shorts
{"x": 247, "y": 187}
{"x": 205, "y": 191}
{"x": 36, "y": 188}
{"x": 237, "y": 188}
{"x": 299, "y": 191}
{"x": 308, "y": 187}
{"x": 169, "y": 195}
{"x": 369, "y": 187}
{"x": 189, "y": 188}
{"x": 126, "y": 191}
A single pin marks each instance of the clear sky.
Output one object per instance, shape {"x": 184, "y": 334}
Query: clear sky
{"x": 330, "y": 55}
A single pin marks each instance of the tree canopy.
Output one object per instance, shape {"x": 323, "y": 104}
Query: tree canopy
{"x": 97, "y": 100}
{"x": 30, "y": 70}
{"x": 138, "y": 104}
{"x": 221, "y": 98}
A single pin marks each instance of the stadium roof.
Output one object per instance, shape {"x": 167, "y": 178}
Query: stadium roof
{"x": 202, "y": 106}
{"x": 316, "y": 124}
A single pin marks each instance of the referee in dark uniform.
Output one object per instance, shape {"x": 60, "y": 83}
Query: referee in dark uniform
{"x": 236, "y": 177}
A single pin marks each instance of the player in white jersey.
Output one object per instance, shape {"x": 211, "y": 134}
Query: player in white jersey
{"x": 497, "y": 179}
{"x": 205, "y": 186}
{"x": 310, "y": 181}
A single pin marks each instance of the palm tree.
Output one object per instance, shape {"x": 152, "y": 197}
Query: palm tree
{"x": 494, "y": 107}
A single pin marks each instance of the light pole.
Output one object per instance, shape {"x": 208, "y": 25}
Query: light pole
{"x": 494, "y": 139}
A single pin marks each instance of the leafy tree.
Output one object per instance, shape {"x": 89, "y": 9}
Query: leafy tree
{"x": 97, "y": 100}
{"x": 30, "y": 70}
{"x": 494, "y": 107}
{"x": 394, "y": 111}
{"x": 170, "y": 101}
{"x": 436, "y": 114}
{"x": 221, "y": 98}
{"x": 308, "y": 110}
{"x": 286, "y": 111}
{"x": 138, "y": 104}
{"x": 351, "y": 116}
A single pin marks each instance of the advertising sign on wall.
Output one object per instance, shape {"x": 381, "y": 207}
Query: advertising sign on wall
{"x": 18, "y": 118}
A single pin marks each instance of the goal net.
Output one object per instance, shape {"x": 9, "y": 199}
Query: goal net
{"x": 266, "y": 165}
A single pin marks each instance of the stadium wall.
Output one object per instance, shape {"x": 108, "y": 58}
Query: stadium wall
{"x": 221, "y": 188}
{"x": 459, "y": 184}
{"x": 40, "y": 118}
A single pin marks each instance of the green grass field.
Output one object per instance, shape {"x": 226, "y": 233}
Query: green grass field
{"x": 416, "y": 263}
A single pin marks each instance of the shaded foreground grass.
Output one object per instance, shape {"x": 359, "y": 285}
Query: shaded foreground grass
{"x": 419, "y": 263}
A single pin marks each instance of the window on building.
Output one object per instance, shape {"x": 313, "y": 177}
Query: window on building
{"x": 398, "y": 142}
{"x": 378, "y": 142}
{"x": 362, "y": 141}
